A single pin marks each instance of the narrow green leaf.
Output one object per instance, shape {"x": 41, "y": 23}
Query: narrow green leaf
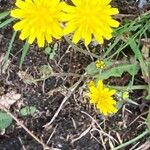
{"x": 144, "y": 66}
{"x": 4, "y": 14}
{"x": 148, "y": 96}
{"x": 7, "y": 22}
{"x": 135, "y": 49}
{"x": 5, "y": 120}
{"x": 24, "y": 53}
{"x": 148, "y": 120}
{"x": 10, "y": 47}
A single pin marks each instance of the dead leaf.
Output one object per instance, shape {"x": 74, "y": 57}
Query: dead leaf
{"x": 145, "y": 51}
{"x": 9, "y": 99}
{"x": 145, "y": 41}
{"x": 3, "y": 66}
{"x": 45, "y": 71}
{"x": 60, "y": 89}
{"x": 27, "y": 78}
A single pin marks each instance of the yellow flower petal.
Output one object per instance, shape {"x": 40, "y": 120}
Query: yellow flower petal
{"x": 40, "y": 39}
{"x": 32, "y": 36}
{"x": 77, "y": 35}
{"x": 90, "y": 18}
{"x": 38, "y": 16}
{"x": 76, "y": 2}
{"x": 102, "y": 97}
{"x": 24, "y": 34}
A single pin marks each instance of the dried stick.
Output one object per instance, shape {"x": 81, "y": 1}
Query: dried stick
{"x": 70, "y": 92}
{"x": 25, "y": 128}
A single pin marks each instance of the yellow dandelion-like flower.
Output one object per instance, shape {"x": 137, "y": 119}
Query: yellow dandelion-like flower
{"x": 100, "y": 64}
{"x": 38, "y": 19}
{"x": 89, "y": 18}
{"x": 102, "y": 97}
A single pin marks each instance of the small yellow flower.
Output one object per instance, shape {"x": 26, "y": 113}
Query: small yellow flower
{"x": 125, "y": 95}
{"x": 88, "y": 18}
{"x": 102, "y": 97}
{"x": 38, "y": 19}
{"x": 100, "y": 64}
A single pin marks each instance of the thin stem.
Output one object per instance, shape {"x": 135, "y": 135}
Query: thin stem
{"x": 134, "y": 87}
{"x": 24, "y": 53}
{"x": 70, "y": 92}
{"x": 81, "y": 50}
{"x": 10, "y": 48}
{"x": 132, "y": 141}
{"x": 25, "y": 128}
{"x": 58, "y": 75}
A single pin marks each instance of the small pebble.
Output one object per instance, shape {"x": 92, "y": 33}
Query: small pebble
{"x": 142, "y": 3}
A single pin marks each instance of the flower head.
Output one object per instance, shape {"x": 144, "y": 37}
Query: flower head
{"x": 38, "y": 19}
{"x": 100, "y": 64}
{"x": 102, "y": 97}
{"x": 89, "y": 18}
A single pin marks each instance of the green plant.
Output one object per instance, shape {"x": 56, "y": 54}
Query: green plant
{"x": 5, "y": 120}
{"x": 28, "y": 110}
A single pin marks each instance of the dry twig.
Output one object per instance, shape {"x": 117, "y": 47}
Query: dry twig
{"x": 70, "y": 92}
{"x": 25, "y": 128}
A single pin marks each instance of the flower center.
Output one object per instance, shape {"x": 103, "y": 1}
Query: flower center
{"x": 88, "y": 13}
{"x": 43, "y": 11}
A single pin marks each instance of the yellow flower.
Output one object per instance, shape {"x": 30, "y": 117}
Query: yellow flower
{"x": 38, "y": 19}
{"x": 89, "y": 18}
{"x": 100, "y": 64}
{"x": 102, "y": 97}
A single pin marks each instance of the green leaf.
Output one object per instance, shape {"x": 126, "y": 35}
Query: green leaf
{"x": 148, "y": 96}
{"x": 91, "y": 69}
{"x": 119, "y": 104}
{"x": 4, "y": 14}
{"x": 28, "y": 110}
{"x": 5, "y": 120}
{"x": 51, "y": 55}
{"x": 50, "y": 51}
{"x": 118, "y": 71}
{"x": 10, "y": 47}
{"x": 148, "y": 120}
{"x": 24, "y": 53}
{"x": 126, "y": 28}
{"x": 7, "y": 22}
{"x": 144, "y": 66}
{"x": 135, "y": 49}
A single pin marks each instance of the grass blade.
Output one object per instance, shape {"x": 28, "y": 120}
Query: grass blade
{"x": 24, "y": 53}
{"x": 4, "y": 14}
{"x": 5, "y": 23}
{"x": 10, "y": 47}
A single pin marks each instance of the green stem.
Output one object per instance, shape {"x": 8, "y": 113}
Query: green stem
{"x": 58, "y": 75}
{"x": 76, "y": 48}
{"x": 10, "y": 47}
{"x": 24, "y": 53}
{"x": 134, "y": 87}
{"x": 132, "y": 141}
{"x": 5, "y": 23}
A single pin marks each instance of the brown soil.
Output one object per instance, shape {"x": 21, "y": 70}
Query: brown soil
{"x": 71, "y": 121}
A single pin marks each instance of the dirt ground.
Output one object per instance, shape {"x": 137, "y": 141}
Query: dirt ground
{"x": 68, "y": 131}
